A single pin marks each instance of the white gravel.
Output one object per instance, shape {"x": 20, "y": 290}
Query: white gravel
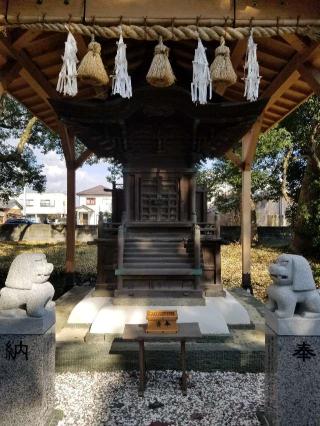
{"x": 111, "y": 398}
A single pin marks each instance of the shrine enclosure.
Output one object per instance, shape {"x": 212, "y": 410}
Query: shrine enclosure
{"x": 160, "y": 242}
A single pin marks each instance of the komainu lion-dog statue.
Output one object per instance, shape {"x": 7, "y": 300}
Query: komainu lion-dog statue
{"x": 293, "y": 290}
{"x": 27, "y": 285}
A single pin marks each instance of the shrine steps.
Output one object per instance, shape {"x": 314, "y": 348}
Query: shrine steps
{"x": 150, "y": 270}
{"x": 158, "y": 262}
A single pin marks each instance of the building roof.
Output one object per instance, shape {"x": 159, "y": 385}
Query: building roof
{"x": 96, "y": 190}
{"x": 10, "y": 204}
{"x": 30, "y": 59}
{"x": 84, "y": 209}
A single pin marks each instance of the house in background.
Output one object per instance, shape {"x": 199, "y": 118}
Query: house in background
{"x": 9, "y": 210}
{"x": 45, "y": 207}
{"x": 272, "y": 213}
{"x": 93, "y": 201}
{"x": 268, "y": 213}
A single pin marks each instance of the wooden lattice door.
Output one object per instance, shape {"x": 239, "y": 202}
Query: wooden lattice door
{"x": 159, "y": 199}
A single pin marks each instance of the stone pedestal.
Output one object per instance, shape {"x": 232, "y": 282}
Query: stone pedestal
{"x": 27, "y": 367}
{"x": 292, "y": 379}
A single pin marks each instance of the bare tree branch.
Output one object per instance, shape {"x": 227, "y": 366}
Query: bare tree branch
{"x": 314, "y": 145}
{"x": 285, "y": 165}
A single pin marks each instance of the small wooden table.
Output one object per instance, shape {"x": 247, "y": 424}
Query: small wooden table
{"x": 137, "y": 332}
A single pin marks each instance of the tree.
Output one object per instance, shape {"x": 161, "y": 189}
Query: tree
{"x": 287, "y": 164}
{"x": 269, "y": 173}
{"x": 304, "y": 125}
{"x": 18, "y": 165}
{"x": 115, "y": 171}
{"x": 16, "y": 169}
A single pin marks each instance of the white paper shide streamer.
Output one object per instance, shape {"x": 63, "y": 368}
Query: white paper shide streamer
{"x": 121, "y": 83}
{"x": 251, "y": 71}
{"x": 67, "y": 82}
{"x": 201, "y": 86}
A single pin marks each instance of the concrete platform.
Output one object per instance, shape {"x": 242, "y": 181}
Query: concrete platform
{"x": 240, "y": 349}
{"x": 107, "y": 318}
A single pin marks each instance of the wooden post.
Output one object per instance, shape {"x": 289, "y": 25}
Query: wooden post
{"x": 193, "y": 198}
{"x": 246, "y": 227}
{"x": 249, "y": 143}
{"x": 71, "y": 222}
{"x": 126, "y": 183}
{"x": 68, "y": 146}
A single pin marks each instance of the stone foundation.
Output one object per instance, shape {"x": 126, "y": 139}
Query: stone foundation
{"x": 292, "y": 380}
{"x": 27, "y": 370}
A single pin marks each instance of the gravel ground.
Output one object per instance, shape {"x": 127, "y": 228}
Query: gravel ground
{"x": 214, "y": 399}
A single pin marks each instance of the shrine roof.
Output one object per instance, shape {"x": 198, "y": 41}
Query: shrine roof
{"x": 289, "y": 58}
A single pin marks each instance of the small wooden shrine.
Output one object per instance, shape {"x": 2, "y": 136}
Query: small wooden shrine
{"x": 159, "y": 242}
{"x": 162, "y": 244}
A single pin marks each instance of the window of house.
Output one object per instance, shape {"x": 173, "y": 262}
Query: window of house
{"x": 46, "y": 203}
{"x": 29, "y": 203}
{"x": 91, "y": 201}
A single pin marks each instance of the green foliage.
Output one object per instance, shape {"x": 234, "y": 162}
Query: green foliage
{"x": 115, "y": 171}
{"x": 18, "y": 170}
{"x": 223, "y": 178}
{"x": 287, "y": 163}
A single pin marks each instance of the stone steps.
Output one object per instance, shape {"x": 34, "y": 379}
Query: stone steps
{"x": 158, "y": 271}
{"x": 153, "y": 258}
{"x": 156, "y": 264}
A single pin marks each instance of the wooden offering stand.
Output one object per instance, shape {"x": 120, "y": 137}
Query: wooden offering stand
{"x": 162, "y": 322}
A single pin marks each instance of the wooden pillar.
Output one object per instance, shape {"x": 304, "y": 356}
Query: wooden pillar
{"x": 126, "y": 187}
{"x": 193, "y": 194}
{"x": 68, "y": 146}
{"x": 246, "y": 227}
{"x": 71, "y": 222}
{"x": 249, "y": 143}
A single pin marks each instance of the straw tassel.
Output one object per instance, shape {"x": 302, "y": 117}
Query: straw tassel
{"x": 91, "y": 68}
{"x": 251, "y": 71}
{"x": 121, "y": 83}
{"x": 201, "y": 86}
{"x": 67, "y": 81}
{"x": 160, "y": 73}
{"x": 221, "y": 70}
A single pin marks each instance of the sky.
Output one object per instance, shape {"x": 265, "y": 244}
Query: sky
{"x": 56, "y": 173}
{"x": 86, "y": 176}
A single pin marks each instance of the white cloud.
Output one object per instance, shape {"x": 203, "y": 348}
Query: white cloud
{"x": 56, "y": 173}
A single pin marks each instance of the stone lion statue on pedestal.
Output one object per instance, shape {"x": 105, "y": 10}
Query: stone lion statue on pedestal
{"x": 293, "y": 290}
{"x": 27, "y": 285}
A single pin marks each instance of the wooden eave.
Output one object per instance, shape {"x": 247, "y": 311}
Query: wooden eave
{"x": 30, "y": 60}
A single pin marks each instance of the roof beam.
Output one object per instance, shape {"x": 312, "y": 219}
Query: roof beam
{"x": 295, "y": 41}
{"x": 30, "y": 72}
{"x": 82, "y": 158}
{"x": 288, "y": 73}
{"x": 67, "y": 143}
{"x": 9, "y": 73}
{"x": 25, "y": 38}
{"x": 311, "y": 76}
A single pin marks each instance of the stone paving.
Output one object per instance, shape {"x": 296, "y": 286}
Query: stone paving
{"x": 78, "y": 350}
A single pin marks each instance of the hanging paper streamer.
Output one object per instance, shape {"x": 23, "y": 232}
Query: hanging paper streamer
{"x": 251, "y": 71}
{"x": 160, "y": 73}
{"x": 67, "y": 81}
{"x": 121, "y": 83}
{"x": 91, "y": 68}
{"x": 201, "y": 85}
{"x": 221, "y": 69}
